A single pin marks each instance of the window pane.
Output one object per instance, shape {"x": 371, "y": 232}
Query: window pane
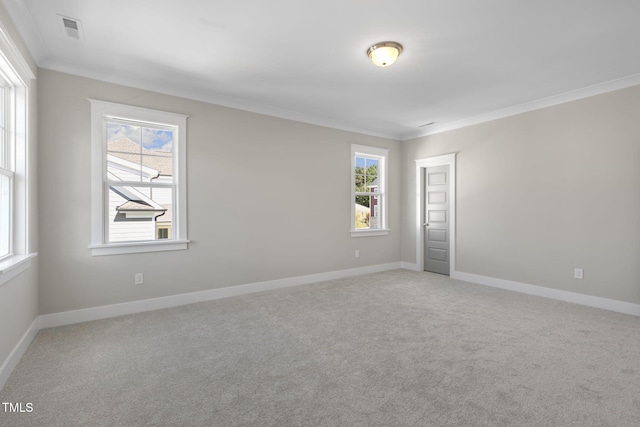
{"x": 375, "y": 221}
{"x": 359, "y": 174}
{"x": 137, "y": 213}
{"x": 5, "y": 214}
{"x": 123, "y": 138}
{"x": 360, "y": 182}
{"x": 366, "y": 174}
{"x": 139, "y": 153}
{"x": 5, "y": 181}
{"x": 371, "y": 172}
{"x": 362, "y": 212}
{"x": 4, "y": 145}
{"x": 368, "y": 210}
{"x": 124, "y": 150}
{"x": 155, "y": 139}
{"x": 157, "y": 150}
{"x": 156, "y": 166}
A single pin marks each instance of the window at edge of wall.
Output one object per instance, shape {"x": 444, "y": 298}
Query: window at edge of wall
{"x": 138, "y": 179}
{"x": 15, "y": 81}
{"x": 369, "y": 191}
{"x": 7, "y": 173}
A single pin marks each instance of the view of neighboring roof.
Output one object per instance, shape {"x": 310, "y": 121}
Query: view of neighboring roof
{"x": 126, "y": 149}
{"x": 136, "y": 201}
{"x": 139, "y": 205}
{"x": 127, "y": 153}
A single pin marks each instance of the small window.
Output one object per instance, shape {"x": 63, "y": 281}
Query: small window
{"x": 139, "y": 190}
{"x": 368, "y": 195}
{"x": 163, "y": 233}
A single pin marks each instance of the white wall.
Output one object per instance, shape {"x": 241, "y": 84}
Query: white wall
{"x": 541, "y": 193}
{"x": 19, "y": 296}
{"x": 267, "y": 198}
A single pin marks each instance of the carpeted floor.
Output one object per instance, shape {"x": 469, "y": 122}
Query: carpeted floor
{"x": 392, "y": 349}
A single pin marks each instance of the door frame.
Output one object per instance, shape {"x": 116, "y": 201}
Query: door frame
{"x": 421, "y": 164}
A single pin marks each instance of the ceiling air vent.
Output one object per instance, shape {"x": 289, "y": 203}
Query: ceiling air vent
{"x": 71, "y": 28}
{"x": 427, "y": 124}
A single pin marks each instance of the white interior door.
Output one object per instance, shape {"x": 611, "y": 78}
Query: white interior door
{"x": 437, "y": 220}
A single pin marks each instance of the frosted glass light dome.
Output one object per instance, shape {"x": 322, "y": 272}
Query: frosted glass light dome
{"x": 384, "y": 54}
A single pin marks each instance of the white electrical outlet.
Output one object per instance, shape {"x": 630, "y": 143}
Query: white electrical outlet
{"x": 138, "y": 279}
{"x": 578, "y": 273}
{"x": 357, "y": 253}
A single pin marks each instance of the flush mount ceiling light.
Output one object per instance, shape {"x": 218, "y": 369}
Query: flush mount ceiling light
{"x": 384, "y": 54}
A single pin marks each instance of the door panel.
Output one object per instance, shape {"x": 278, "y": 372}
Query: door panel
{"x": 437, "y": 235}
{"x": 436, "y": 197}
{"x": 436, "y": 240}
{"x": 437, "y": 217}
{"x": 436, "y": 178}
{"x": 438, "y": 254}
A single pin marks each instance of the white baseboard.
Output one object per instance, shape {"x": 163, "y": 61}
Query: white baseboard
{"x": 103, "y": 312}
{"x": 541, "y": 291}
{"x": 19, "y": 350}
{"x": 409, "y": 266}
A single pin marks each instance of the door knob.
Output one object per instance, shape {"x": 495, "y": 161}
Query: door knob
{"x": 426, "y": 224}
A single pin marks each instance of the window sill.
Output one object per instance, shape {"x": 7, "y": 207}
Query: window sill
{"x": 370, "y": 233}
{"x": 138, "y": 247}
{"x": 14, "y": 265}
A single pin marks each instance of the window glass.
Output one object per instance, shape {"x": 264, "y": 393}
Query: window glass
{"x": 5, "y": 215}
{"x": 139, "y": 190}
{"x": 6, "y": 176}
{"x": 367, "y": 206}
{"x": 138, "y": 153}
{"x": 368, "y": 189}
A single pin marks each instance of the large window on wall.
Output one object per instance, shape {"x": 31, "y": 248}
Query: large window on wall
{"x": 368, "y": 191}
{"x": 15, "y": 78}
{"x": 139, "y": 179}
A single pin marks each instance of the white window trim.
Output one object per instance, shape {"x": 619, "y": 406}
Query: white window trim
{"x": 100, "y": 110}
{"x": 383, "y": 155}
{"x": 19, "y": 74}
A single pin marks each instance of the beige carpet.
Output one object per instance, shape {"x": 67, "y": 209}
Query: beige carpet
{"x": 392, "y": 349}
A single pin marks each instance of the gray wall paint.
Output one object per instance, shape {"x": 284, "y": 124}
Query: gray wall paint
{"x": 18, "y": 308}
{"x": 543, "y": 192}
{"x": 19, "y": 296}
{"x": 538, "y": 194}
{"x": 268, "y": 199}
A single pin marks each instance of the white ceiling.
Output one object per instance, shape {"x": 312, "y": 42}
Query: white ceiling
{"x": 463, "y": 60}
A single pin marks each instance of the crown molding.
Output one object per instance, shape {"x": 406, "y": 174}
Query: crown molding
{"x": 538, "y": 104}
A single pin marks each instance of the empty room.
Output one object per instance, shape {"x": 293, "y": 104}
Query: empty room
{"x": 336, "y": 213}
